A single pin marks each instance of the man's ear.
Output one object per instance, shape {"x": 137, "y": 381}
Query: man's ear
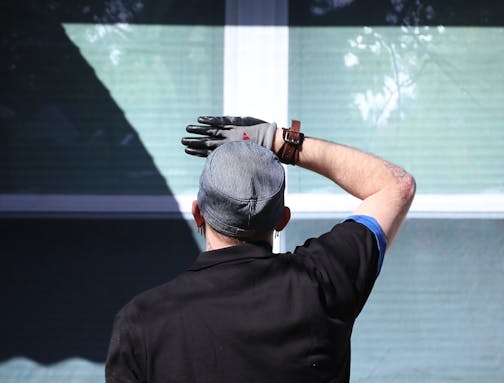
{"x": 198, "y": 217}
{"x": 284, "y": 220}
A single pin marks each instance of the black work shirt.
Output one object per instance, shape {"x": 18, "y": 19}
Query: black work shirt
{"x": 244, "y": 314}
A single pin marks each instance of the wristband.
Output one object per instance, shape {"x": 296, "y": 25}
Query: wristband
{"x": 293, "y": 139}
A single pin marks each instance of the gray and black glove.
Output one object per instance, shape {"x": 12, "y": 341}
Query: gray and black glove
{"x": 219, "y": 130}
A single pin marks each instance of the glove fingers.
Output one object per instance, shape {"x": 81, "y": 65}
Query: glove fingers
{"x": 245, "y": 121}
{"x": 211, "y": 120}
{"x": 222, "y": 121}
{"x": 205, "y": 130}
{"x": 198, "y": 129}
{"x": 198, "y": 152}
{"x": 202, "y": 142}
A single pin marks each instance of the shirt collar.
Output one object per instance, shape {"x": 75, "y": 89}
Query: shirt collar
{"x": 232, "y": 254}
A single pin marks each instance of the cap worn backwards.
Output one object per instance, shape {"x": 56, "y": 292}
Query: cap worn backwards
{"x": 241, "y": 190}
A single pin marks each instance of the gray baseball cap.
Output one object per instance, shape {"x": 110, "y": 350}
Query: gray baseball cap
{"x": 241, "y": 190}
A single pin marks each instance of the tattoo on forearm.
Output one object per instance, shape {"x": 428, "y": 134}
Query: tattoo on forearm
{"x": 396, "y": 171}
{"x": 405, "y": 182}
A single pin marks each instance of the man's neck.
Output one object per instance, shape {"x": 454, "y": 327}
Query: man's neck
{"x": 216, "y": 241}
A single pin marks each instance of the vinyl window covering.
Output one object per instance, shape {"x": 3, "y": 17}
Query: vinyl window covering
{"x": 428, "y": 98}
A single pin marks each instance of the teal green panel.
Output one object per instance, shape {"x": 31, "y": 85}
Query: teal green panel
{"x": 429, "y": 99}
{"x": 71, "y": 370}
{"x": 162, "y": 77}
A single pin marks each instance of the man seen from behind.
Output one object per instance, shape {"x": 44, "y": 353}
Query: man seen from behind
{"x": 242, "y": 313}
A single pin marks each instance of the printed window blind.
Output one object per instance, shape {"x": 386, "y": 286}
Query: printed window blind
{"x": 429, "y": 98}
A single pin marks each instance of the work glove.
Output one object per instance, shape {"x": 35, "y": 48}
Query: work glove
{"x": 219, "y": 130}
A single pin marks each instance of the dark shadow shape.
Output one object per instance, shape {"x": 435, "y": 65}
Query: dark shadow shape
{"x": 62, "y": 280}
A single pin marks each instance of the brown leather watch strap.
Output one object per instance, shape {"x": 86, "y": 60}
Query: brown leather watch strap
{"x": 293, "y": 139}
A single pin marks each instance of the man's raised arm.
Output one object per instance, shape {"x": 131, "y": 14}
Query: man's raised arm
{"x": 386, "y": 190}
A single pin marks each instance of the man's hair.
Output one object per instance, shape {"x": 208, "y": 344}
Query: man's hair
{"x": 241, "y": 191}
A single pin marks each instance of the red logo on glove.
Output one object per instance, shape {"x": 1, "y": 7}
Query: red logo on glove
{"x": 245, "y": 137}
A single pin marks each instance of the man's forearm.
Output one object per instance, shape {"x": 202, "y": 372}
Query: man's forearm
{"x": 386, "y": 189}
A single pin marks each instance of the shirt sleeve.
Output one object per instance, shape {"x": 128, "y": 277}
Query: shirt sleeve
{"x": 345, "y": 263}
{"x": 124, "y": 358}
{"x": 372, "y": 224}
